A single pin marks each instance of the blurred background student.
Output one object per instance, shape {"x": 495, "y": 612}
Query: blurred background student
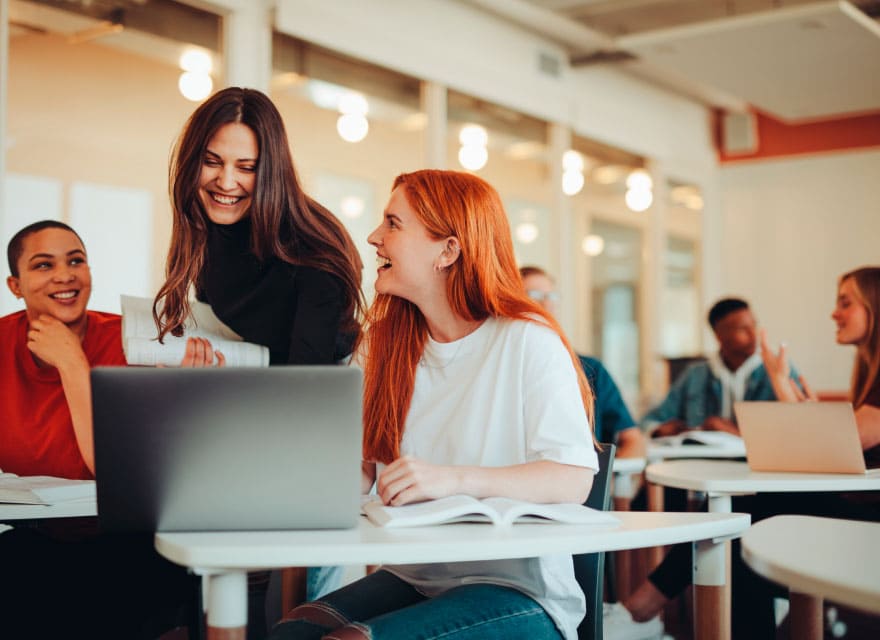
{"x": 612, "y": 421}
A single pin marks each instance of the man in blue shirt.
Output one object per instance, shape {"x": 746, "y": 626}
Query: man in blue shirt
{"x": 612, "y": 420}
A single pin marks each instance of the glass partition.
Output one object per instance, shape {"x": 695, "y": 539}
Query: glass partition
{"x": 614, "y": 308}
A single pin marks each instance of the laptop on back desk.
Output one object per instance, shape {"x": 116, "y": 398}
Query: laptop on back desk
{"x": 220, "y": 449}
{"x": 811, "y": 437}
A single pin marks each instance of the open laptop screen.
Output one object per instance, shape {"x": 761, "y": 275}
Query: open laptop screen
{"x": 227, "y": 448}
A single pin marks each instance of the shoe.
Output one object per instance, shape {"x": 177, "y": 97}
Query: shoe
{"x": 618, "y": 624}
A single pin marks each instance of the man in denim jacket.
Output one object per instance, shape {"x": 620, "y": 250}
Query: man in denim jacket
{"x": 703, "y": 395}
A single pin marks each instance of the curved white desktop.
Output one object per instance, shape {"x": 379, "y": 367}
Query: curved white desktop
{"x": 225, "y": 558}
{"x": 817, "y": 558}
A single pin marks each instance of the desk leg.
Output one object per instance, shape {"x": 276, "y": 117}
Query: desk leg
{"x": 805, "y": 616}
{"x": 711, "y": 591}
{"x": 227, "y": 605}
{"x": 624, "y": 488}
{"x": 653, "y": 555}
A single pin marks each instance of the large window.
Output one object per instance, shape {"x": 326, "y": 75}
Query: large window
{"x": 323, "y": 96}
{"x": 93, "y": 109}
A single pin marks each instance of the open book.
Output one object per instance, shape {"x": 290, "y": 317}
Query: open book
{"x": 499, "y": 511}
{"x": 43, "y": 489}
{"x": 719, "y": 439}
{"x": 141, "y": 346}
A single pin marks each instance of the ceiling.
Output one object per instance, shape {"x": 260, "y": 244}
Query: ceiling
{"x": 796, "y": 60}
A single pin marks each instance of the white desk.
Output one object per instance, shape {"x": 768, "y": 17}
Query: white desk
{"x": 657, "y": 452}
{"x": 623, "y": 470}
{"x": 722, "y": 479}
{"x": 78, "y": 508}
{"x": 225, "y": 558}
{"x": 838, "y": 561}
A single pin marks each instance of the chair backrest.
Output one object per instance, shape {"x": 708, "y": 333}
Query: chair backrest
{"x": 589, "y": 568}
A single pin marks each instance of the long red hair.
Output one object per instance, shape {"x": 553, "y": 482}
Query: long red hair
{"x": 484, "y": 282}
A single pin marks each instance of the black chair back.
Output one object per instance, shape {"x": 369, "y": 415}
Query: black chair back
{"x": 589, "y": 568}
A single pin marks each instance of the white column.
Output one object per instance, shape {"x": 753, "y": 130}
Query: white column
{"x": 653, "y": 285}
{"x": 562, "y": 230}
{"x": 433, "y": 97}
{"x": 4, "y": 98}
{"x": 247, "y": 45}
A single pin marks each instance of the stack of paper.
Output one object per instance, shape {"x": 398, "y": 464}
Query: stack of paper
{"x": 44, "y": 489}
{"x": 141, "y": 347}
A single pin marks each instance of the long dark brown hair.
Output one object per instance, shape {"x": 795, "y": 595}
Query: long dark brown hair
{"x": 285, "y": 222}
{"x": 484, "y": 282}
{"x": 866, "y": 370}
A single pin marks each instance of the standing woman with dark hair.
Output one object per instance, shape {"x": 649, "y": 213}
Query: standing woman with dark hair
{"x": 470, "y": 387}
{"x": 275, "y": 266}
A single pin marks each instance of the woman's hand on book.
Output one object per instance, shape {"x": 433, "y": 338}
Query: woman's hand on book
{"x": 200, "y": 353}
{"x": 409, "y": 479}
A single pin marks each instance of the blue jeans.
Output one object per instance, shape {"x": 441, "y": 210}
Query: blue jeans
{"x": 381, "y": 606}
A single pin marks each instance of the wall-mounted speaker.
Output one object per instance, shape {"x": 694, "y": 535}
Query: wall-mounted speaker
{"x": 739, "y": 133}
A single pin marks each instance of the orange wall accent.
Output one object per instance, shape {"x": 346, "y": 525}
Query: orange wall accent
{"x": 778, "y": 139}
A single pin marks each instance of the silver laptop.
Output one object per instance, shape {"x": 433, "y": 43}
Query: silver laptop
{"x": 813, "y": 437}
{"x": 227, "y": 448}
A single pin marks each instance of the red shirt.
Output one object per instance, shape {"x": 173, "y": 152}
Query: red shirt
{"x": 36, "y": 430}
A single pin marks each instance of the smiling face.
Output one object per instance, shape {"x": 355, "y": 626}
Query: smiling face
{"x": 406, "y": 254}
{"x": 850, "y": 314}
{"x": 228, "y": 176}
{"x": 737, "y": 334}
{"x": 54, "y": 277}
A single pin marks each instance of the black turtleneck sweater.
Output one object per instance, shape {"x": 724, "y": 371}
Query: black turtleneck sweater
{"x": 294, "y": 310}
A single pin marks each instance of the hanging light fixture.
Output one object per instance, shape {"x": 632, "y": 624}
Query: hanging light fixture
{"x": 639, "y": 190}
{"x": 572, "y": 172}
{"x": 352, "y": 124}
{"x": 473, "y": 153}
{"x": 195, "y": 82}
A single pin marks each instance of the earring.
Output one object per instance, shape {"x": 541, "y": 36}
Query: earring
{"x": 437, "y": 267}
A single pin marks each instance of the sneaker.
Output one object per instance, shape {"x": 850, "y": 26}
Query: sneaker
{"x": 618, "y": 624}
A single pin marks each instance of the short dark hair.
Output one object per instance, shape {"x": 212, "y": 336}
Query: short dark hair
{"x": 724, "y": 308}
{"x": 16, "y": 246}
{"x": 531, "y": 270}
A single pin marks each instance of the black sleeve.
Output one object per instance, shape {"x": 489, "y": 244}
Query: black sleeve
{"x": 313, "y": 336}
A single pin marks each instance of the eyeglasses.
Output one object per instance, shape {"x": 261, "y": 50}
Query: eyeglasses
{"x": 539, "y": 296}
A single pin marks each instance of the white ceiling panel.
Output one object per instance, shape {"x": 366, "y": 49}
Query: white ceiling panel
{"x": 802, "y": 63}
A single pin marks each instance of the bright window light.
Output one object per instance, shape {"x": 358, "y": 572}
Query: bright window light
{"x": 639, "y": 180}
{"x": 572, "y": 182}
{"x": 473, "y": 135}
{"x": 352, "y": 127}
{"x": 196, "y": 61}
{"x": 473, "y": 157}
{"x": 352, "y": 102}
{"x": 195, "y": 86}
{"x": 593, "y": 245}
{"x": 573, "y": 161}
{"x": 638, "y": 199}
{"x": 526, "y": 232}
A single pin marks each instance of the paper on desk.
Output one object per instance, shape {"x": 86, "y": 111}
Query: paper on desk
{"x": 44, "y": 489}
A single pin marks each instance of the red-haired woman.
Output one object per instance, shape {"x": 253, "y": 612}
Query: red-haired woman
{"x": 470, "y": 388}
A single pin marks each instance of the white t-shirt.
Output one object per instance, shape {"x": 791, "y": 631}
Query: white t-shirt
{"x": 505, "y": 394}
